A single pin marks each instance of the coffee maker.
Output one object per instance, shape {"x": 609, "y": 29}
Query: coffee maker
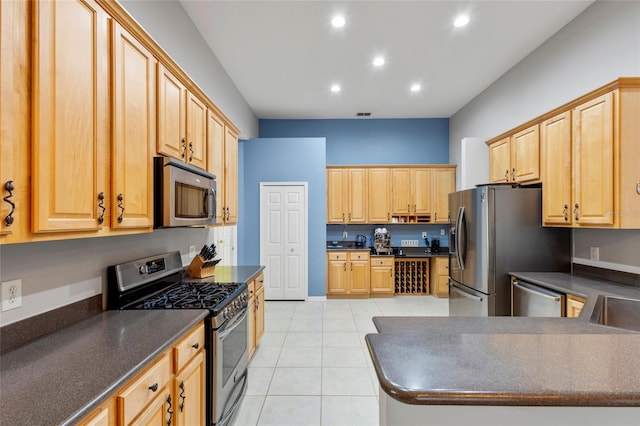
{"x": 382, "y": 242}
{"x": 435, "y": 245}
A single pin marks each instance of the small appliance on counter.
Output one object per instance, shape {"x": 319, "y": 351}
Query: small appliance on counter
{"x": 382, "y": 242}
{"x": 435, "y": 245}
{"x": 361, "y": 241}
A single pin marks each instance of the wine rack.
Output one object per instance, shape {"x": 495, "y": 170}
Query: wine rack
{"x": 412, "y": 276}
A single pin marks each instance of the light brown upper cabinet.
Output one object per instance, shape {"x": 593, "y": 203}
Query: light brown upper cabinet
{"x": 182, "y": 121}
{"x": 346, "y": 195}
{"x": 589, "y": 157}
{"x": 379, "y": 200}
{"x": 134, "y": 131}
{"x": 223, "y": 162}
{"x": 515, "y": 158}
{"x": 443, "y": 182}
{"x": 411, "y": 191}
{"x": 70, "y": 115}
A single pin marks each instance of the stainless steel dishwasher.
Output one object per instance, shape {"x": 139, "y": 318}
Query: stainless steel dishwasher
{"x": 530, "y": 300}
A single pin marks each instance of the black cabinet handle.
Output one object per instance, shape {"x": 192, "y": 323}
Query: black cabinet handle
{"x": 565, "y": 212}
{"x": 169, "y": 411}
{"x": 575, "y": 212}
{"x": 121, "y": 207}
{"x": 183, "y": 142}
{"x": 8, "y": 220}
{"x": 153, "y": 387}
{"x": 181, "y": 386}
{"x": 101, "y": 205}
{"x": 190, "y": 151}
{"x": 195, "y": 345}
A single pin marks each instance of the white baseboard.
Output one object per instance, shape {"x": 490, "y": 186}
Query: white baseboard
{"x": 607, "y": 265}
{"x": 316, "y": 298}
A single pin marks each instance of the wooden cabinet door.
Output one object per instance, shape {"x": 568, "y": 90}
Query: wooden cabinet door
{"x": 337, "y": 196}
{"x": 231, "y": 176}
{"x": 134, "y": 132}
{"x": 190, "y": 393}
{"x": 158, "y": 413}
{"x": 70, "y": 114}
{"x": 593, "y": 155}
{"x": 336, "y": 277}
{"x": 196, "y": 131}
{"x": 357, "y": 212}
{"x": 216, "y": 159}
{"x": 444, "y": 182}
{"x": 555, "y": 147}
{"x": 421, "y": 191}
{"x": 360, "y": 275}
{"x": 525, "y": 155}
{"x": 574, "y": 305}
{"x": 172, "y": 102}
{"x": 259, "y": 314}
{"x": 382, "y": 276}
{"x": 379, "y": 198}
{"x": 401, "y": 191}
{"x": 15, "y": 127}
{"x": 499, "y": 161}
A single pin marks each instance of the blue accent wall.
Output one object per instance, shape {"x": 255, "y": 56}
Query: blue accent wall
{"x": 283, "y": 160}
{"x": 371, "y": 141}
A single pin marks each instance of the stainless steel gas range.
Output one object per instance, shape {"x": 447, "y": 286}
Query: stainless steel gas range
{"x": 159, "y": 282}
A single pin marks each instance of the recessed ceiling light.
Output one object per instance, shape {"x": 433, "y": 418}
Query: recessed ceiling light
{"x": 335, "y": 88}
{"x": 415, "y": 87}
{"x": 378, "y": 61}
{"x": 461, "y": 21}
{"x": 338, "y": 21}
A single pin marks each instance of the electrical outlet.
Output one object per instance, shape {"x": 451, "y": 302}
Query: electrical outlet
{"x": 192, "y": 251}
{"x": 409, "y": 243}
{"x": 424, "y": 235}
{"x": 595, "y": 253}
{"x": 441, "y": 231}
{"x": 345, "y": 235}
{"x": 11, "y": 294}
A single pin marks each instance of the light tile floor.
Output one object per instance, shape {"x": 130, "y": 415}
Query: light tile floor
{"x": 312, "y": 366}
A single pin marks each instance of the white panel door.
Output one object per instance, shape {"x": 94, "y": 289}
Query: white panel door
{"x": 283, "y": 240}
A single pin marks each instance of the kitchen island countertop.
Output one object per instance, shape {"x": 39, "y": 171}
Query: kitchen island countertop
{"x": 498, "y": 361}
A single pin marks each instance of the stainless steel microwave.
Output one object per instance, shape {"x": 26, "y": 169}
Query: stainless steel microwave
{"x": 184, "y": 195}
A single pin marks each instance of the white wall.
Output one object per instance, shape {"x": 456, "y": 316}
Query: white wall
{"x": 170, "y": 26}
{"x": 598, "y": 46}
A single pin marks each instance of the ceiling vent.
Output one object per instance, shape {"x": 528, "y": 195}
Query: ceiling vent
{"x": 363, "y": 114}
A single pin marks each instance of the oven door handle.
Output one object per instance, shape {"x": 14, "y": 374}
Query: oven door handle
{"x": 228, "y": 329}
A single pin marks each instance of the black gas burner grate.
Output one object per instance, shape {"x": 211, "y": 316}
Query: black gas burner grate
{"x": 189, "y": 296}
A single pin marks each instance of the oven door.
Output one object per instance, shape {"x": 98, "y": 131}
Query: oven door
{"x": 229, "y": 368}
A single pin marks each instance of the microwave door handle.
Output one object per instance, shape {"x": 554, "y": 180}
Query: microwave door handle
{"x": 212, "y": 204}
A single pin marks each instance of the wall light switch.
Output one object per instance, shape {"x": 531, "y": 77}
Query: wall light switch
{"x": 192, "y": 251}
{"x": 441, "y": 231}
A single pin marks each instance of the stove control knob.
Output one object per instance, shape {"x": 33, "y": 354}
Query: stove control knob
{"x": 225, "y": 313}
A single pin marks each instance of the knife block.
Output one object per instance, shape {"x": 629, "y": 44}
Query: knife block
{"x": 199, "y": 268}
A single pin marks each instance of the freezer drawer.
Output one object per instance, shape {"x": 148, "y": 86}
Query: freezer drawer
{"x": 530, "y": 300}
{"x": 466, "y": 302}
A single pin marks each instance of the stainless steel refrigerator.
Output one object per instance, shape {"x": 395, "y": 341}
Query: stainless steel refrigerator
{"x": 497, "y": 229}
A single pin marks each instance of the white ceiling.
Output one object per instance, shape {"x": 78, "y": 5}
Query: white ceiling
{"x": 284, "y": 55}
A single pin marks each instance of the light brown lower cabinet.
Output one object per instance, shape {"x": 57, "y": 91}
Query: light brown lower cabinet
{"x": 348, "y": 274}
{"x": 382, "y": 276}
{"x": 440, "y": 276}
{"x": 171, "y": 390}
{"x": 574, "y": 305}
{"x": 256, "y": 313}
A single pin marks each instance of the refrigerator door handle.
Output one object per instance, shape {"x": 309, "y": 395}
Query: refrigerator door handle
{"x": 464, "y": 293}
{"x": 461, "y": 244}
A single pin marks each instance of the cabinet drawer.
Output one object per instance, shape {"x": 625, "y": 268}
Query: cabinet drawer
{"x": 133, "y": 399}
{"x": 387, "y": 261}
{"x": 259, "y": 282}
{"x": 360, "y": 256}
{"x": 337, "y": 255}
{"x": 442, "y": 265}
{"x": 188, "y": 347}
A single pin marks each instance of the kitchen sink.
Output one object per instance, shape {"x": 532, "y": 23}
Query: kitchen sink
{"x": 617, "y": 312}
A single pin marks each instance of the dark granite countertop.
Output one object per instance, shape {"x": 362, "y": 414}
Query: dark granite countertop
{"x": 232, "y": 274}
{"x": 63, "y": 377}
{"x": 413, "y": 252}
{"x": 512, "y": 360}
